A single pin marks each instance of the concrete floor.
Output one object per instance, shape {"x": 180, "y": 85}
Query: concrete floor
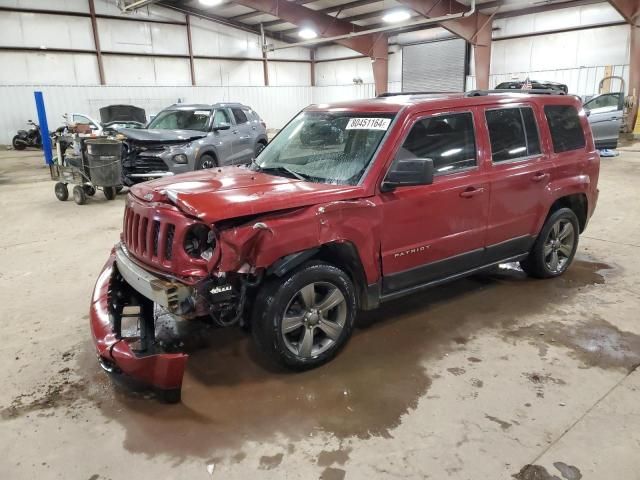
{"x": 474, "y": 380}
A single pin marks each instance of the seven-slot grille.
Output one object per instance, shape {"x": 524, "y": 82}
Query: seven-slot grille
{"x": 148, "y": 238}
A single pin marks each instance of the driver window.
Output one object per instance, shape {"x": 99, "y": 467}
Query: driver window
{"x": 448, "y": 140}
{"x": 81, "y": 120}
{"x": 603, "y": 101}
{"x": 221, "y": 116}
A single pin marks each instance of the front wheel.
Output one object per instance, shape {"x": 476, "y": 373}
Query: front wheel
{"x": 206, "y": 161}
{"x": 259, "y": 148}
{"x": 109, "y": 192}
{"x": 78, "y": 195}
{"x": 303, "y": 319}
{"x": 555, "y": 247}
{"x": 62, "y": 192}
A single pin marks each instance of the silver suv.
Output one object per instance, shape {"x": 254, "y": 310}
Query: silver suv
{"x": 182, "y": 138}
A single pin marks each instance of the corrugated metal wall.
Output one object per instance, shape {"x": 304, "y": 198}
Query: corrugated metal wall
{"x": 581, "y": 81}
{"x": 276, "y": 105}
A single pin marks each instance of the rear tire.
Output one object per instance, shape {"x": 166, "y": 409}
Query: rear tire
{"x": 109, "y": 192}
{"x": 89, "y": 190}
{"x": 62, "y": 192}
{"x": 17, "y": 144}
{"x": 555, "y": 247}
{"x": 206, "y": 161}
{"x": 303, "y": 319}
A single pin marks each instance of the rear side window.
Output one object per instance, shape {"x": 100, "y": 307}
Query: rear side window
{"x": 239, "y": 115}
{"x": 448, "y": 140}
{"x": 513, "y": 133}
{"x": 565, "y": 127}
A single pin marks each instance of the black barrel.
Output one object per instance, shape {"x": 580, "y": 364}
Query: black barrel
{"x": 104, "y": 159}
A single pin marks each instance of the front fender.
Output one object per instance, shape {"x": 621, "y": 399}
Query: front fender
{"x": 260, "y": 243}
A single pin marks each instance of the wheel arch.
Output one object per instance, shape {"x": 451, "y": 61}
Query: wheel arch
{"x": 341, "y": 254}
{"x": 577, "y": 202}
{"x": 209, "y": 150}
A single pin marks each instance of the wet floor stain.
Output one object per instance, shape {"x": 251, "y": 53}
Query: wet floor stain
{"x": 328, "y": 458}
{"x": 270, "y": 462}
{"x": 231, "y": 397}
{"x": 568, "y": 472}
{"x": 332, "y": 474}
{"x": 503, "y": 425}
{"x": 538, "y": 472}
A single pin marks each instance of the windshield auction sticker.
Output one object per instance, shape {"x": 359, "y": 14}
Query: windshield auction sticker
{"x": 368, "y": 124}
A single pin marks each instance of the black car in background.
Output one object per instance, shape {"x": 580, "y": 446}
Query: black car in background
{"x": 535, "y": 84}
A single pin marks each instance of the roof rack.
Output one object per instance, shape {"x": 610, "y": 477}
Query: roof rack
{"x": 531, "y": 91}
{"x": 395, "y": 94}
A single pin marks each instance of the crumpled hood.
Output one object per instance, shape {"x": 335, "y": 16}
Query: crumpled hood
{"x": 123, "y": 113}
{"x": 230, "y": 192}
{"x": 157, "y": 135}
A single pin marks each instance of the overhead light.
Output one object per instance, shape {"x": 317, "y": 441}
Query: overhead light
{"x": 307, "y": 34}
{"x": 395, "y": 16}
{"x": 211, "y": 3}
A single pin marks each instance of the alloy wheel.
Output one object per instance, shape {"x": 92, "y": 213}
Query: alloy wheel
{"x": 559, "y": 246}
{"x": 314, "y": 319}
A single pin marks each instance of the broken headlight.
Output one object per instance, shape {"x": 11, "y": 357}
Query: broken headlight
{"x": 199, "y": 242}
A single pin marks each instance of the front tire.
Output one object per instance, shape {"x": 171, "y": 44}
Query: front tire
{"x": 259, "y": 148}
{"x": 62, "y": 192}
{"x": 206, "y": 161}
{"x": 303, "y": 319}
{"x": 109, "y": 192}
{"x": 555, "y": 247}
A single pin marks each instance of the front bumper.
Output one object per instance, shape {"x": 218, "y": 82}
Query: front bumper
{"x": 164, "y": 371}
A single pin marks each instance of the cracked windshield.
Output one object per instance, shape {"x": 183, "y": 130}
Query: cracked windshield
{"x": 325, "y": 147}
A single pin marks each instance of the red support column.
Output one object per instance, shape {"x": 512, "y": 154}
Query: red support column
{"x": 634, "y": 74}
{"x": 482, "y": 57}
{"x": 380, "y": 60}
{"x": 190, "y": 46}
{"x": 96, "y": 41}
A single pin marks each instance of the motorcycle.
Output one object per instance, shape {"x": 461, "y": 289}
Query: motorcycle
{"x": 28, "y": 138}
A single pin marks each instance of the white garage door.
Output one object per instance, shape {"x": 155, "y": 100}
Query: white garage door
{"x": 434, "y": 66}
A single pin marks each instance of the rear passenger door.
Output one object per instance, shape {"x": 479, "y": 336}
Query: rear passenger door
{"x": 520, "y": 171}
{"x": 243, "y": 146}
{"x": 223, "y": 139}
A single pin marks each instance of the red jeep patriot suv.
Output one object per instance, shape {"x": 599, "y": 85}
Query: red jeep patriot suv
{"x": 351, "y": 205}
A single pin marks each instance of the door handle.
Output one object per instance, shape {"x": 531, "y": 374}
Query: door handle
{"x": 471, "y": 192}
{"x": 235, "y": 132}
{"x": 539, "y": 177}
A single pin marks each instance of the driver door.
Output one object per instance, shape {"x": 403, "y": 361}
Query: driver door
{"x": 223, "y": 139}
{"x": 605, "y": 118}
{"x": 438, "y": 230}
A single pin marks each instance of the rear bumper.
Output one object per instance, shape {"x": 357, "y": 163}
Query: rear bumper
{"x": 163, "y": 371}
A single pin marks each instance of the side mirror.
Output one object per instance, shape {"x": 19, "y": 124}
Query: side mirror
{"x": 221, "y": 126}
{"x": 409, "y": 172}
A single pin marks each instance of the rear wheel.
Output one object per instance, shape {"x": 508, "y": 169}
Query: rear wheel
{"x": 89, "y": 190}
{"x": 303, "y": 319}
{"x": 206, "y": 161}
{"x": 79, "y": 196}
{"x": 62, "y": 192}
{"x": 18, "y": 143}
{"x": 555, "y": 247}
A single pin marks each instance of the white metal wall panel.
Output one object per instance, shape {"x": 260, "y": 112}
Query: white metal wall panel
{"x": 289, "y": 73}
{"x": 229, "y": 72}
{"x": 109, "y": 7}
{"x": 276, "y": 105}
{"x": 297, "y": 53}
{"x": 142, "y": 37}
{"x": 435, "y": 66}
{"x": 131, "y": 70}
{"x": 62, "y": 5}
{"x": 19, "y": 29}
{"x": 214, "y": 39}
{"x": 47, "y": 68}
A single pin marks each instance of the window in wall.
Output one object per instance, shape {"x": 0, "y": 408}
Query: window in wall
{"x": 565, "y": 127}
{"x": 513, "y": 133}
{"x": 239, "y": 115}
{"x": 448, "y": 140}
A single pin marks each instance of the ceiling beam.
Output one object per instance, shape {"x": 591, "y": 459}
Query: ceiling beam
{"x": 629, "y": 9}
{"x": 323, "y": 24}
{"x": 256, "y": 13}
{"x": 329, "y": 10}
